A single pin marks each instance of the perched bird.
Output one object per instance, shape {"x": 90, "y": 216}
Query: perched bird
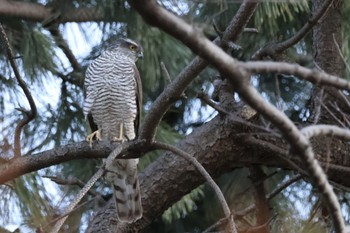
{"x": 114, "y": 102}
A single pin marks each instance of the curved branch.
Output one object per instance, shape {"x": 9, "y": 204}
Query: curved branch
{"x": 29, "y": 115}
{"x": 239, "y": 77}
{"x": 205, "y": 174}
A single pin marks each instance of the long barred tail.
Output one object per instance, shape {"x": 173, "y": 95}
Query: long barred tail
{"x": 122, "y": 174}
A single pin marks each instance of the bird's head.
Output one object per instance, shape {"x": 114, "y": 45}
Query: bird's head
{"x": 128, "y": 47}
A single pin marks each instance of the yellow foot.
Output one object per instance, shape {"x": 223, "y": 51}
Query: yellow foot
{"x": 90, "y": 137}
{"x": 120, "y": 138}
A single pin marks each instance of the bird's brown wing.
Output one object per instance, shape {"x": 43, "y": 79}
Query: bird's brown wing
{"x": 138, "y": 100}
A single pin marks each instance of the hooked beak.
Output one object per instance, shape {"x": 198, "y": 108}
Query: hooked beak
{"x": 140, "y": 55}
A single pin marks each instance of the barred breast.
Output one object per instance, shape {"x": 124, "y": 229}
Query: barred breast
{"x": 111, "y": 78}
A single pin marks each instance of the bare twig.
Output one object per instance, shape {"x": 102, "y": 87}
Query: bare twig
{"x": 208, "y": 178}
{"x": 251, "y": 30}
{"x": 332, "y": 114}
{"x": 205, "y": 98}
{"x": 280, "y": 47}
{"x": 29, "y": 115}
{"x": 318, "y": 107}
{"x": 340, "y": 53}
{"x": 165, "y": 72}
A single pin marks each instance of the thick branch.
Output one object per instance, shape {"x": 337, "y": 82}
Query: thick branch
{"x": 25, "y": 164}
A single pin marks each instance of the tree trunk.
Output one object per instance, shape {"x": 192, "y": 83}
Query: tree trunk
{"x": 327, "y": 100}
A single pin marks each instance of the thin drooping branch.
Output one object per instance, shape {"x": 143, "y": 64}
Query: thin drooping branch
{"x": 229, "y": 68}
{"x": 29, "y": 115}
{"x": 206, "y": 175}
{"x": 282, "y": 46}
{"x": 314, "y": 76}
{"x": 175, "y": 89}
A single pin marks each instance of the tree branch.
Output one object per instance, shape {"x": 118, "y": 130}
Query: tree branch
{"x": 36, "y": 12}
{"x": 313, "y": 76}
{"x": 29, "y": 115}
{"x": 326, "y": 130}
{"x": 25, "y": 164}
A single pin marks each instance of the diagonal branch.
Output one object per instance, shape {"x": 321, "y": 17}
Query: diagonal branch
{"x": 239, "y": 77}
{"x": 29, "y": 115}
{"x": 282, "y": 46}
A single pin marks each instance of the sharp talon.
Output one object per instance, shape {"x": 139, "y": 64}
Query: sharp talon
{"x": 91, "y": 136}
{"x": 120, "y": 137}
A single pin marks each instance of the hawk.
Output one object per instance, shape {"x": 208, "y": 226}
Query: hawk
{"x": 113, "y": 103}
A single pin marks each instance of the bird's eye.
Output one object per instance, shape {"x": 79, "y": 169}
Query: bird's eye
{"x": 132, "y": 47}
